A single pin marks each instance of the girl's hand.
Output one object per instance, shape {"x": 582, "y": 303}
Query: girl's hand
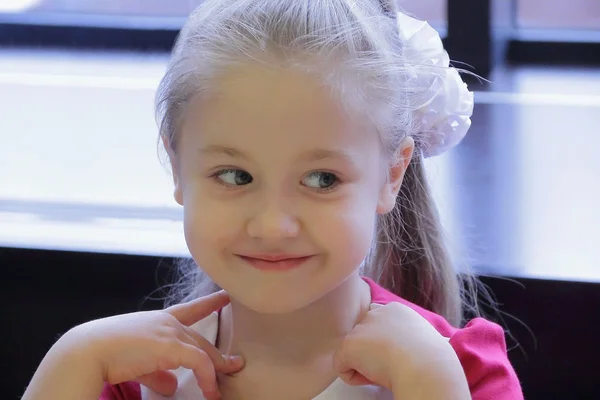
{"x": 143, "y": 346}
{"x": 394, "y": 347}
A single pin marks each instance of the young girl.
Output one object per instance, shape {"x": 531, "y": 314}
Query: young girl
{"x": 296, "y": 132}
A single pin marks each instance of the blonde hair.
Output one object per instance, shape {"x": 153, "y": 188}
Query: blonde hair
{"x": 353, "y": 46}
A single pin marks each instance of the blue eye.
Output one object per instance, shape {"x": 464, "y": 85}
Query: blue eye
{"x": 234, "y": 177}
{"x": 322, "y": 181}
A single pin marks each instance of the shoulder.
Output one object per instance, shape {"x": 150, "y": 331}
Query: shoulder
{"x": 380, "y": 295}
{"x": 481, "y": 349}
{"x": 131, "y": 390}
{"x": 480, "y": 346}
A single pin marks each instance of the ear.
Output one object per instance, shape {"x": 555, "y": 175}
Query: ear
{"x": 178, "y": 194}
{"x": 396, "y": 170}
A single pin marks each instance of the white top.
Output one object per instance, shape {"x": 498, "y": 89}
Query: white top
{"x": 188, "y": 388}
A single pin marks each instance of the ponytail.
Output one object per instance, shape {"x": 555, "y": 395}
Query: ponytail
{"x": 410, "y": 258}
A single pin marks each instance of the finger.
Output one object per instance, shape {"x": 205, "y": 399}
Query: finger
{"x": 198, "y": 361}
{"x": 222, "y": 363}
{"x": 342, "y": 363}
{"x": 161, "y": 382}
{"x": 193, "y": 311}
{"x": 353, "y": 378}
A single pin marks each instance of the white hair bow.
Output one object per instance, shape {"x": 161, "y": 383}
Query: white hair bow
{"x": 445, "y": 117}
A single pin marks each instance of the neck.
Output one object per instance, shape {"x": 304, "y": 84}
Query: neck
{"x": 298, "y": 337}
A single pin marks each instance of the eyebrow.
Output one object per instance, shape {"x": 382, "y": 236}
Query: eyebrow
{"x": 215, "y": 150}
{"x": 317, "y": 154}
{"x": 326, "y": 154}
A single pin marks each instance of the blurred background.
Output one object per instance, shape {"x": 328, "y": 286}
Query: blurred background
{"x": 89, "y": 228}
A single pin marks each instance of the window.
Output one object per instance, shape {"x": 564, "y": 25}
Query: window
{"x": 82, "y": 12}
{"x": 573, "y": 14}
{"x": 155, "y": 8}
{"x": 433, "y": 11}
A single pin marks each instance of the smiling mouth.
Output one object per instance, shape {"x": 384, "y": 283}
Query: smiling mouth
{"x": 275, "y": 263}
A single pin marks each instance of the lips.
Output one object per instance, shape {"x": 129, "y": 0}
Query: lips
{"x": 275, "y": 262}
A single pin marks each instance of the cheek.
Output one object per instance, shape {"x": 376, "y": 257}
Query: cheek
{"x": 348, "y": 229}
{"x": 209, "y": 226}
{"x": 356, "y": 235}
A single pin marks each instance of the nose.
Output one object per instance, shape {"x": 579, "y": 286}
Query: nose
{"x": 271, "y": 221}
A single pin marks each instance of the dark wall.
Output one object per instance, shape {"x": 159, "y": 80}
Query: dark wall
{"x": 44, "y": 293}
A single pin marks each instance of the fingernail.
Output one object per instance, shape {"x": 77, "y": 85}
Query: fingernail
{"x": 235, "y": 359}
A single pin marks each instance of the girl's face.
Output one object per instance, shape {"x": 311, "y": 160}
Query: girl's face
{"x": 270, "y": 168}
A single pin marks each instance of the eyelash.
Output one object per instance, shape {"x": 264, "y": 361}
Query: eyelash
{"x": 216, "y": 175}
{"x": 337, "y": 182}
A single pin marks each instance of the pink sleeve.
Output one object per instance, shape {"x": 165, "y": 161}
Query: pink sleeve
{"x": 122, "y": 391}
{"x": 481, "y": 348}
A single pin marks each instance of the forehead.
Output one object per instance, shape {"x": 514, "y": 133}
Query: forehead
{"x": 256, "y": 105}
